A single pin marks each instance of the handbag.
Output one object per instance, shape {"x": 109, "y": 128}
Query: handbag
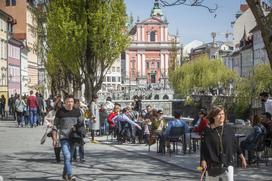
{"x": 44, "y": 137}
{"x": 215, "y": 170}
{"x": 75, "y": 137}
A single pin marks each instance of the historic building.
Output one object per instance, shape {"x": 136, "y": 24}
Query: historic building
{"x": 14, "y": 66}
{"x": 147, "y": 59}
{"x": 213, "y": 50}
{"x": 249, "y": 46}
{"x": 5, "y": 30}
{"x": 259, "y": 51}
{"x": 112, "y": 83}
{"x": 22, "y": 12}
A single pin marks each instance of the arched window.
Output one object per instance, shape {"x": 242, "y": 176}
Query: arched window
{"x": 152, "y": 36}
{"x": 165, "y": 97}
{"x": 156, "y": 97}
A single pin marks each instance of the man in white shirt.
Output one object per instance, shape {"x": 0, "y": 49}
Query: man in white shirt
{"x": 266, "y": 103}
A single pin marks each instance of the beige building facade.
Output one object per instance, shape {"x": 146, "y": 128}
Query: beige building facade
{"x": 24, "y": 27}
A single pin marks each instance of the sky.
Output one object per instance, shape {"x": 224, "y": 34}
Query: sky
{"x": 192, "y": 23}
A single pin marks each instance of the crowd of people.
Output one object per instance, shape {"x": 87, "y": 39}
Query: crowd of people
{"x": 68, "y": 120}
{"x": 27, "y": 111}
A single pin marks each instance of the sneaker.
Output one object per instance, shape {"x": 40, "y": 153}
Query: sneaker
{"x": 72, "y": 178}
{"x": 82, "y": 160}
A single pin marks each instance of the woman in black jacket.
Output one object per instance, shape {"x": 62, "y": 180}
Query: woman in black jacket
{"x": 219, "y": 147}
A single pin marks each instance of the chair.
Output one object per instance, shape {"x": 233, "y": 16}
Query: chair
{"x": 175, "y": 134}
{"x": 268, "y": 146}
{"x": 195, "y": 139}
{"x": 260, "y": 147}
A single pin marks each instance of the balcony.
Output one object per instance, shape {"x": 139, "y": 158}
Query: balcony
{"x": 152, "y": 45}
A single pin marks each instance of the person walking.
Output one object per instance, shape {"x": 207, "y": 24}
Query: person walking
{"x": 49, "y": 122}
{"x": 66, "y": 121}
{"x": 219, "y": 147}
{"x": 3, "y": 105}
{"x": 19, "y": 108}
{"x": 32, "y": 104}
{"x": 10, "y": 104}
{"x": 13, "y": 106}
{"x": 94, "y": 117}
{"x": 41, "y": 109}
{"x": 79, "y": 143}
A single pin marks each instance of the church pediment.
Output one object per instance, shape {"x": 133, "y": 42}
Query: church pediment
{"x": 152, "y": 20}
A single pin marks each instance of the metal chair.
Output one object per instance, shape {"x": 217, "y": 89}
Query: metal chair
{"x": 259, "y": 147}
{"x": 175, "y": 135}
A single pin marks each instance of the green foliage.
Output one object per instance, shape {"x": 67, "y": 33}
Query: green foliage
{"x": 244, "y": 94}
{"x": 200, "y": 75}
{"x": 249, "y": 88}
{"x": 84, "y": 38}
{"x": 263, "y": 78}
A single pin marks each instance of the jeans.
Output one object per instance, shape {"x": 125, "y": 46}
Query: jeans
{"x": 67, "y": 150}
{"x": 79, "y": 148}
{"x": 20, "y": 118}
{"x": 26, "y": 118}
{"x": 3, "y": 110}
{"x": 33, "y": 116}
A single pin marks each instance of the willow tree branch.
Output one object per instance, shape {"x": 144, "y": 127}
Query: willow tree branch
{"x": 196, "y": 3}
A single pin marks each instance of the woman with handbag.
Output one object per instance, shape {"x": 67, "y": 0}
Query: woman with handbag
{"x": 20, "y": 106}
{"x": 49, "y": 122}
{"x": 219, "y": 147}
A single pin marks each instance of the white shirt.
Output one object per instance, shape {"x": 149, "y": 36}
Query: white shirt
{"x": 268, "y": 106}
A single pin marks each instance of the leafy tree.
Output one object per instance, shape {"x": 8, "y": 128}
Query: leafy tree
{"x": 248, "y": 89}
{"x": 200, "y": 75}
{"x": 83, "y": 39}
{"x": 263, "y": 78}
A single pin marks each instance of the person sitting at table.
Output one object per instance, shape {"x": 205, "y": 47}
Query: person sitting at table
{"x": 158, "y": 124}
{"x": 251, "y": 140}
{"x": 176, "y": 122}
{"x": 201, "y": 123}
{"x": 157, "y": 127}
{"x": 267, "y": 123}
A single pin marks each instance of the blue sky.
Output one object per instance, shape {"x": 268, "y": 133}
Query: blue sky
{"x": 193, "y": 23}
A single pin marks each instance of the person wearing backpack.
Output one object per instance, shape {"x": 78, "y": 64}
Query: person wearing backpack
{"x": 19, "y": 108}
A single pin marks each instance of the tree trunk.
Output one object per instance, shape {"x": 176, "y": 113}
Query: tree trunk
{"x": 263, "y": 25}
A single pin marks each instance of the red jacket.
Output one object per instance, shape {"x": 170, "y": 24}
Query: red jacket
{"x": 110, "y": 117}
{"x": 201, "y": 126}
{"x": 32, "y": 102}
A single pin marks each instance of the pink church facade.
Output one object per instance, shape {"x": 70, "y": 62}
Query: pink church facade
{"x": 148, "y": 57}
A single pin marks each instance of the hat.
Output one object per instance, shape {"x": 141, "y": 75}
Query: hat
{"x": 160, "y": 111}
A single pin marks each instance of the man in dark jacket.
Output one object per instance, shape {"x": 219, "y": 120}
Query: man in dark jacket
{"x": 67, "y": 119}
